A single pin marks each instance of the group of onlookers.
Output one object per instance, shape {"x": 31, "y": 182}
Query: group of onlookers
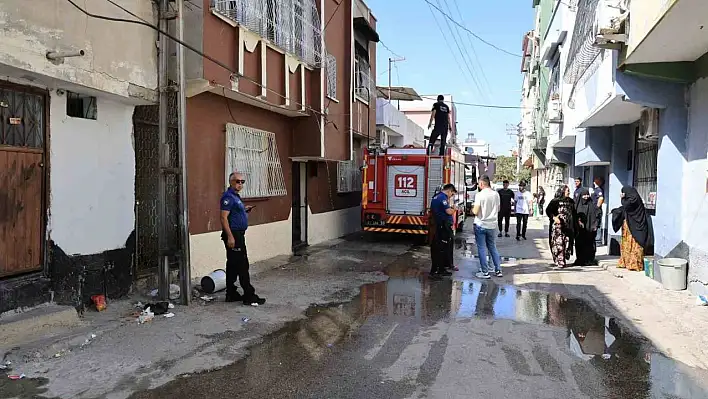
{"x": 575, "y": 220}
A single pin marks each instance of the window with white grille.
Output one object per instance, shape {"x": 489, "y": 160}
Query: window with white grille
{"x": 363, "y": 84}
{"x": 645, "y": 171}
{"x": 348, "y": 176}
{"x": 331, "y": 69}
{"x": 292, "y": 25}
{"x": 254, "y": 153}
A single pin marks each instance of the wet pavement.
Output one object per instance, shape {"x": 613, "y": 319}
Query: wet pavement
{"x": 409, "y": 337}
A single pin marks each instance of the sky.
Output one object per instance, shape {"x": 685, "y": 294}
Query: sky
{"x": 433, "y": 63}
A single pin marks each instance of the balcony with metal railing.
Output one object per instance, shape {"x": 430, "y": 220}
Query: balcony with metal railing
{"x": 291, "y": 25}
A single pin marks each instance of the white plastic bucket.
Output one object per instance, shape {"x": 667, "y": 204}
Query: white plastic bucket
{"x": 673, "y": 273}
{"x": 214, "y": 282}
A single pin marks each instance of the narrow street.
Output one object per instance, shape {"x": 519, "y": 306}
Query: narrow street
{"x": 363, "y": 336}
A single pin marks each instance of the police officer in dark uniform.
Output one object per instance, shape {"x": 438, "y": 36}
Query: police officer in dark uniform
{"x": 441, "y": 247}
{"x": 234, "y": 222}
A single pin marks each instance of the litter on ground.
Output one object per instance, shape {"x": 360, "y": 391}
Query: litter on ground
{"x": 145, "y": 316}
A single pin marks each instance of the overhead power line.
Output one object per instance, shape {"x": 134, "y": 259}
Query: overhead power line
{"x": 466, "y": 59}
{"x": 477, "y": 105}
{"x": 447, "y": 43}
{"x": 331, "y": 16}
{"x": 389, "y": 49}
{"x": 446, "y": 15}
{"x": 474, "y": 51}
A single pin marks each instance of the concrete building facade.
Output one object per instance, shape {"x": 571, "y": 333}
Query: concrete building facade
{"x": 292, "y": 111}
{"x": 68, "y": 89}
{"x": 636, "y": 82}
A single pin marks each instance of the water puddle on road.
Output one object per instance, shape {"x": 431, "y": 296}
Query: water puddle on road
{"x": 344, "y": 350}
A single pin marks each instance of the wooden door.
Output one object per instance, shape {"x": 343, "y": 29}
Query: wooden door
{"x": 22, "y": 139}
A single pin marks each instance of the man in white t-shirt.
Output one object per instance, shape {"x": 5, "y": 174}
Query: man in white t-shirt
{"x": 486, "y": 209}
{"x": 524, "y": 200}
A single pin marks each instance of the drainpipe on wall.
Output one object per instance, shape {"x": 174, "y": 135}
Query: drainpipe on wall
{"x": 186, "y": 266}
{"x": 163, "y": 266}
{"x": 352, "y": 78}
{"x": 322, "y": 81}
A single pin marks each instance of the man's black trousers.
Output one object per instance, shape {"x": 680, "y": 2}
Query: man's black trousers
{"x": 504, "y": 216}
{"x": 237, "y": 266}
{"x": 442, "y": 133}
{"x": 522, "y": 222}
{"x": 441, "y": 249}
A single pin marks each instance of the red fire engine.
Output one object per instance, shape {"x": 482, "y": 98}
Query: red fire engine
{"x": 399, "y": 184}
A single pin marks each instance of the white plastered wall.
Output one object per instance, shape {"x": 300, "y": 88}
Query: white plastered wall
{"x": 92, "y": 177}
{"x": 263, "y": 241}
{"x": 326, "y": 226}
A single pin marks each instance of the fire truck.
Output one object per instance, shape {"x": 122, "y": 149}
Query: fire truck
{"x": 399, "y": 184}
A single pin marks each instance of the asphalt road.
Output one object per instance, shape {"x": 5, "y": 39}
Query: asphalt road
{"x": 410, "y": 337}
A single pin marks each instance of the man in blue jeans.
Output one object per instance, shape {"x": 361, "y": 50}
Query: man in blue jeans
{"x": 486, "y": 208}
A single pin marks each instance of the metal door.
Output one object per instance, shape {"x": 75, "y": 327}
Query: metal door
{"x": 406, "y": 189}
{"x": 299, "y": 222}
{"x": 147, "y": 166}
{"x": 22, "y": 139}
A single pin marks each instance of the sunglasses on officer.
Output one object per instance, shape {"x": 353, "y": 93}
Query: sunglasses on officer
{"x": 239, "y": 181}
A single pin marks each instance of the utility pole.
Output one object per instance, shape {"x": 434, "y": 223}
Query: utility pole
{"x": 185, "y": 271}
{"x": 163, "y": 266}
{"x": 515, "y": 131}
{"x": 390, "y": 64}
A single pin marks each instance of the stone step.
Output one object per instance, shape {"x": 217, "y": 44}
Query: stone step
{"x": 26, "y": 326}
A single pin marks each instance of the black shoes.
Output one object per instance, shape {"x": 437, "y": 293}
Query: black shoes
{"x": 254, "y": 300}
{"x": 234, "y": 297}
{"x": 507, "y": 235}
{"x": 440, "y": 274}
{"x": 499, "y": 235}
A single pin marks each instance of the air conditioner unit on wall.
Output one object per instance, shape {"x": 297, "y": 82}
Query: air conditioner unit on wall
{"x": 649, "y": 125}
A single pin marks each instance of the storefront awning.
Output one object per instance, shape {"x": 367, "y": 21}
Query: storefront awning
{"x": 398, "y": 93}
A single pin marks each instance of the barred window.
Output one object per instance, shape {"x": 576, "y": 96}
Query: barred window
{"x": 645, "y": 171}
{"x": 331, "y": 66}
{"x": 348, "y": 176}
{"x": 254, "y": 153}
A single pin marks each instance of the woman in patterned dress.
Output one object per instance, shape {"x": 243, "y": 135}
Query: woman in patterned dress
{"x": 561, "y": 211}
{"x": 637, "y": 230}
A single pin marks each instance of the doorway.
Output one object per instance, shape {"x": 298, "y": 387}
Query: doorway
{"x": 23, "y": 132}
{"x": 299, "y": 205}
